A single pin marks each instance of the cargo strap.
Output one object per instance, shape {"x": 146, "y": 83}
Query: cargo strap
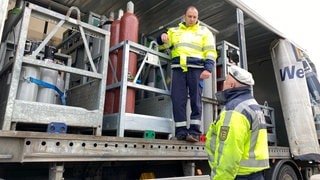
{"x": 50, "y": 86}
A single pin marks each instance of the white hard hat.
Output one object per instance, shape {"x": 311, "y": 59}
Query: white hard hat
{"x": 241, "y": 75}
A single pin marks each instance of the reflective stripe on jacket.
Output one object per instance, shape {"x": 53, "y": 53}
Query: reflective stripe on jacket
{"x": 236, "y": 144}
{"x": 191, "y": 47}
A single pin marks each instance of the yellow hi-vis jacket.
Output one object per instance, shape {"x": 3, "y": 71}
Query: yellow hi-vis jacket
{"x": 192, "y": 46}
{"x": 235, "y": 146}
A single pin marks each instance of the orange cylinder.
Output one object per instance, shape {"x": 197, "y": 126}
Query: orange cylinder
{"x": 113, "y": 56}
{"x": 129, "y": 26}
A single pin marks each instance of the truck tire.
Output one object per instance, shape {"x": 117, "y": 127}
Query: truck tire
{"x": 286, "y": 172}
{"x": 283, "y": 170}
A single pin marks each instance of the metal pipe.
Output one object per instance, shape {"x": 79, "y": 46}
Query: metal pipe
{"x": 242, "y": 39}
{"x": 14, "y": 15}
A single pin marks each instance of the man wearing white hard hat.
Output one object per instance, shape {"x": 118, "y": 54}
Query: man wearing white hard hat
{"x": 236, "y": 141}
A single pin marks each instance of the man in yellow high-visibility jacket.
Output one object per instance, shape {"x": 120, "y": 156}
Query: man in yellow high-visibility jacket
{"x": 236, "y": 141}
{"x": 193, "y": 54}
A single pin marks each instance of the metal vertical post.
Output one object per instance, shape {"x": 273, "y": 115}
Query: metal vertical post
{"x": 123, "y": 89}
{"x": 56, "y": 171}
{"x": 242, "y": 39}
{"x": 188, "y": 168}
{"x": 16, "y": 69}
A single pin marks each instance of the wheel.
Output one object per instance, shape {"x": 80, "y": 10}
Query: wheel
{"x": 283, "y": 170}
{"x": 286, "y": 172}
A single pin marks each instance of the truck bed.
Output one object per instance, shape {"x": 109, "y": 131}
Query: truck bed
{"x": 22, "y": 146}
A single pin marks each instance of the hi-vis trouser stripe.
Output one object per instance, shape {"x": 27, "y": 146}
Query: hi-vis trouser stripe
{"x": 181, "y": 124}
{"x": 192, "y": 122}
{"x": 195, "y": 122}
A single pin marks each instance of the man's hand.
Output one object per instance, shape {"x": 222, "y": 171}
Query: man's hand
{"x": 164, "y": 37}
{"x": 205, "y": 74}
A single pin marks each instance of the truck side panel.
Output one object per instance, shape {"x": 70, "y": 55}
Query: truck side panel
{"x": 295, "y": 100}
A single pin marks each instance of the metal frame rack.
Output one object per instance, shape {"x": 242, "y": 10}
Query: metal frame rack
{"x": 122, "y": 120}
{"x": 270, "y": 122}
{"x": 223, "y": 61}
{"x": 87, "y": 114}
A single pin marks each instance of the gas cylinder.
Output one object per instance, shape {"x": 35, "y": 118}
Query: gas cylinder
{"x": 113, "y": 56}
{"x": 129, "y": 26}
{"x": 49, "y": 76}
{"x": 27, "y": 90}
{"x": 47, "y": 95}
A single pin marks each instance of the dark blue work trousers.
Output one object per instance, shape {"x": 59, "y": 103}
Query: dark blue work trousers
{"x": 184, "y": 84}
{"x": 254, "y": 176}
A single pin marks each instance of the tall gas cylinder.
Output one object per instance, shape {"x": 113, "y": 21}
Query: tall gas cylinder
{"x": 129, "y": 26}
{"x": 295, "y": 100}
{"x": 47, "y": 76}
{"x": 112, "y": 66}
{"x": 45, "y": 94}
{"x": 27, "y": 90}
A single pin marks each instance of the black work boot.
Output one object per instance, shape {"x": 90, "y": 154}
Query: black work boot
{"x": 179, "y": 137}
{"x": 192, "y": 138}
